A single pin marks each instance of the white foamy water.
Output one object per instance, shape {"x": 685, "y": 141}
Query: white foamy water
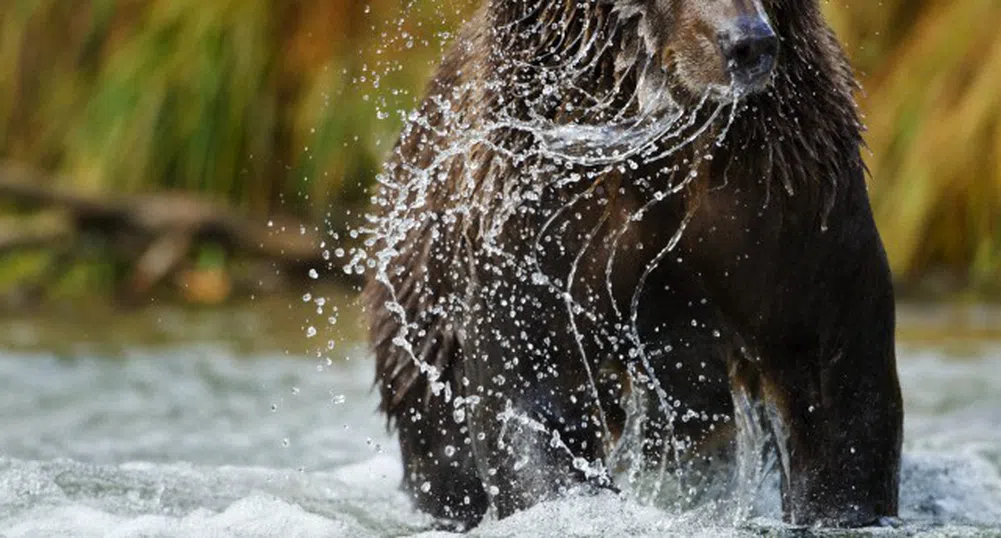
{"x": 198, "y": 442}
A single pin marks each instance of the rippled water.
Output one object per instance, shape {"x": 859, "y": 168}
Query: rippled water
{"x": 199, "y": 442}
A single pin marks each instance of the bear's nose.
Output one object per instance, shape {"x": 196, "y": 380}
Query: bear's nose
{"x": 749, "y": 50}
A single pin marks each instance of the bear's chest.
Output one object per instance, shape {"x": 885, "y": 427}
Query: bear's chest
{"x": 732, "y": 246}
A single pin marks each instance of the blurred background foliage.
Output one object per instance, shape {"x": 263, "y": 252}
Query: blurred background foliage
{"x": 290, "y": 106}
{"x": 931, "y": 72}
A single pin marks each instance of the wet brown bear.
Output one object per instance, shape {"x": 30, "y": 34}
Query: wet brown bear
{"x": 628, "y": 238}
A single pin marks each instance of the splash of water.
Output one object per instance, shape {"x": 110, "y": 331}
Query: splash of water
{"x": 442, "y": 201}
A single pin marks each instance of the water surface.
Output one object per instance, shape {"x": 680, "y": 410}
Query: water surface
{"x": 212, "y": 440}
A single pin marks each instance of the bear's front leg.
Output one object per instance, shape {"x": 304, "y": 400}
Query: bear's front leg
{"x": 826, "y": 383}
{"x": 536, "y": 433}
{"x": 838, "y": 430}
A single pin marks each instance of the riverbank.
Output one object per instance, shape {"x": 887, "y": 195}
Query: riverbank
{"x": 307, "y": 321}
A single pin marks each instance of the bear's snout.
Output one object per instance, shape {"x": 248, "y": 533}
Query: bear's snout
{"x": 749, "y": 50}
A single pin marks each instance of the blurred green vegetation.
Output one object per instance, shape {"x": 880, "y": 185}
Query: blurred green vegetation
{"x": 290, "y": 106}
{"x": 257, "y": 102}
{"x": 931, "y": 72}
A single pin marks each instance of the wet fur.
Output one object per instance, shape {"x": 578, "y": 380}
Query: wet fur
{"x": 780, "y": 256}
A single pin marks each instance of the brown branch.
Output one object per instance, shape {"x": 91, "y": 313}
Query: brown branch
{"x": 156, "y": 233}
{"x": 155, "y": 215}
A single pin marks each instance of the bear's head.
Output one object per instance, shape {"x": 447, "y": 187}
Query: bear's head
{"x": 707, "y": 45}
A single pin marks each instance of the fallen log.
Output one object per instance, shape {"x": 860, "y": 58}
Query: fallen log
{"x": 158, "y": 231}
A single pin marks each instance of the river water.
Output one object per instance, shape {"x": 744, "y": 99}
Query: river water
{"x": 209, "y": 439}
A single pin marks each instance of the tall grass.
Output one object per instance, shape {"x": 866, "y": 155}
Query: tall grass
{"x": 932, "y": 76}
{"x": 262, "y": 103}
{"x": 292, "y": 105}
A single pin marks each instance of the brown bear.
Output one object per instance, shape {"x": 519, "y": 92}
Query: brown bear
{"x": 632, "y": 238}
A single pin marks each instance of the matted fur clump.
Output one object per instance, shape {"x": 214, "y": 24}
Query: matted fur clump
{"x": 627, "y": 244}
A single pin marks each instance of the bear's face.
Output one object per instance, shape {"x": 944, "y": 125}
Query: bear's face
{"x": 725, "y": 47}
